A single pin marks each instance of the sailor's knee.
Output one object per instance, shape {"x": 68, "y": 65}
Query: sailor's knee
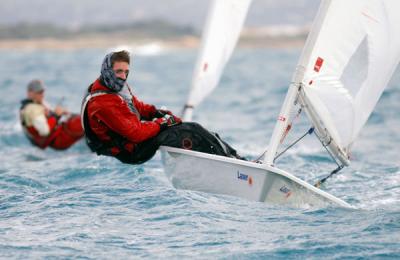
{"x": 192, "y": 125}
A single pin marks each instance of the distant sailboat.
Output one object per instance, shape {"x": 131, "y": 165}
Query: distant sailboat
{"x": 350, "y": 55}
{"x": 222, "y": 29}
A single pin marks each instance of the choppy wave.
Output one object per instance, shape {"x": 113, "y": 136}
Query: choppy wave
{"x": 74, "y": 204}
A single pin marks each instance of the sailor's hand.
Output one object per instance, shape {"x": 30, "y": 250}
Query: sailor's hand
{"x": 59, "y": 111}
{"x": 167, "y": 121}
{"x": 161, "y": 113}
{"x": 178, "y": 120}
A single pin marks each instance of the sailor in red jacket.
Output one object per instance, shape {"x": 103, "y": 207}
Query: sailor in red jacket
{"x": 44, "y": 127}
{"x": 118, "y": 124}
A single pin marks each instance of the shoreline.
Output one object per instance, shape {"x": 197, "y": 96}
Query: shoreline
{"x": 184, "y": 42}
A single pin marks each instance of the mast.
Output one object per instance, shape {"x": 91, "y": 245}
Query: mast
{"x": 293, "y": 91}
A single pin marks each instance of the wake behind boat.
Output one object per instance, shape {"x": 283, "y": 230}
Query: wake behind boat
{"x": 350, "y": 55}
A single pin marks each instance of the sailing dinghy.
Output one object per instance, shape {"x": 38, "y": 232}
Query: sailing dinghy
{"x": 350, "y": 54}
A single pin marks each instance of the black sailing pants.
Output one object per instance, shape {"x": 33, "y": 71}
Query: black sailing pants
{"x": 191, "y": 136}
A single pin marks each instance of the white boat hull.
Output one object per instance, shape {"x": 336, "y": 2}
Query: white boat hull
{"x": 197, "y": 171}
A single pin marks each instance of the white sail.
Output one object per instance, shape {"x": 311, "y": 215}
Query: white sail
{"x": 350, "y": 56}
{"x": 221, "y": 32}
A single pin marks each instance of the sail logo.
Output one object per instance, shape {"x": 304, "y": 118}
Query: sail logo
{"x": 318, "y": 64}
{"x": 244, "y": 177}
{"x": 286, "y": 191}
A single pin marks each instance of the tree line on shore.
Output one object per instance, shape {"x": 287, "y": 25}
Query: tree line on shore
{"x": 155, "y": 28}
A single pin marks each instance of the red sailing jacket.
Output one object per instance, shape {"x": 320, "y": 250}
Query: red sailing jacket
{"x": 33, "y": 135}
{"x": 61, "y": 136}
{"x": 43, "y": 141}
{"x": 110, "y": 112}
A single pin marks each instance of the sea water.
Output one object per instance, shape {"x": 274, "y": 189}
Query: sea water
{"x": 75, "y": 204}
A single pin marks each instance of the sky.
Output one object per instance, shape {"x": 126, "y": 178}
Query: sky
{"x": 75, "y": 13}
